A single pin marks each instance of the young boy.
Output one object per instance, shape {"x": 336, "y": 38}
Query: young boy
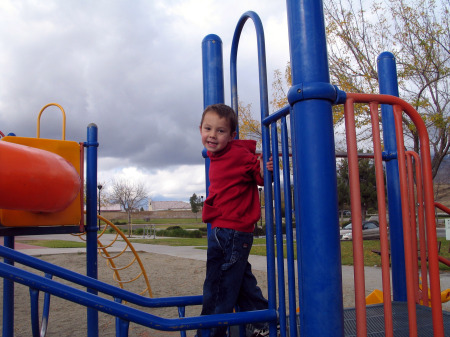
{"x": 232, "y": 208}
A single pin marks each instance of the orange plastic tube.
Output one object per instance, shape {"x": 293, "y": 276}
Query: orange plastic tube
{"x": 35, "y": 180}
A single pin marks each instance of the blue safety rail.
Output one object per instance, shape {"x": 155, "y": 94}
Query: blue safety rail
{"x": 279, "y": 188}
{"x": 113, "y": 307}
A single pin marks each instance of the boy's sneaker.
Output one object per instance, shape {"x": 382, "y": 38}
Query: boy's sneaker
{"x": 264, "y": 332}
{"x": 260, "y": 333}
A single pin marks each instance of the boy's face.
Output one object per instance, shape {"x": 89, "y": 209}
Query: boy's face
{"x": 215, "y": 132}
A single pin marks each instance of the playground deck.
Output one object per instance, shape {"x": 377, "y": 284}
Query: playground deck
{"x": 375, "y": 321}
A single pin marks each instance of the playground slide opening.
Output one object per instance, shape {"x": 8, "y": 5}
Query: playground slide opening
{"x": 41, "y": 181}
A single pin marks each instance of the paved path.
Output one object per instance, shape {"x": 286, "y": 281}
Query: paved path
{"x": 181, "y": 251}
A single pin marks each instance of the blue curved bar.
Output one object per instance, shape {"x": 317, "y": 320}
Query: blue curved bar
{"x": 264, "y": 104}
{"x": 283, "y": 112}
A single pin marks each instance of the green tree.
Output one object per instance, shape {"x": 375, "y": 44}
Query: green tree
{"x": 343, "y": 184}
{"x": 249, "y": 127}
{"x": 418, "y": 33}
{"x": 196, "y": 204}
{"x": 367, "y": 182}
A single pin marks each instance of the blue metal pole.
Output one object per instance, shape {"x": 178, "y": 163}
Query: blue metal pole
{"x": 387, "y": 79}
{"x": 278, "y": 230}
{"x": 213, "y": 87}
{"x": 320, "y": 294}
{"x": 8, "y": 295}
{"x": 91, "y": 220}
{"x": 213, "y": 84}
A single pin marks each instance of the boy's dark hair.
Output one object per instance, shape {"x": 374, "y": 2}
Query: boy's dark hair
{"x": 224, "y": 111}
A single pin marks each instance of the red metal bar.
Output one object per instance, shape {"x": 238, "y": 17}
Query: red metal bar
{"x": 436, "y": 306}
{"x": 433, "y": 262}
{"x": 413, "y": 224}
{"x": 410, "y": 289}
{"x": 444, "y": 260}
{"x": 442, "y": 207}
{"x": 384, "y": 244}
{"x": 422, "y": 235}
{"x": 355, "y": 200}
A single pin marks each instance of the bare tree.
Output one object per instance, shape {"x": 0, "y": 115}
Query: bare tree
{"x": 417, "y": 32}
{"x": 130, "y": 196}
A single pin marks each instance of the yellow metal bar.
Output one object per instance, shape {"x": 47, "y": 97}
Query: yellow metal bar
{"x": 64, "y": 120}
{"x": 103, "y": 251}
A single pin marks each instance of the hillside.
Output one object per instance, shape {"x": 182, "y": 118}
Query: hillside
{"x": 442, "y": 194}
{"x": 442, "y": 183}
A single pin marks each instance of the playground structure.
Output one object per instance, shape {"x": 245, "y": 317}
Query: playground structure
{"x": 318, "y": 291}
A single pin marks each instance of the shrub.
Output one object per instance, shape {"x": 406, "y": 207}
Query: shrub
{"x": 173, "y": 228}
{"x": 345, "y": 223}
{"x": 177, "y": 231}
{"x": 259, "y": 231}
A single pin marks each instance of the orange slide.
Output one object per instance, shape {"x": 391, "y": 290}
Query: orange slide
{"x": 36, "y": 180}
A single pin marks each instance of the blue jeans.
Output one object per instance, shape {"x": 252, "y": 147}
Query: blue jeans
{"x": 229, "y": 279}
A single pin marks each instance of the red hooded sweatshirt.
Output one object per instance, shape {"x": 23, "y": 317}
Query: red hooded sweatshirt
{"x": 233, "y": 200}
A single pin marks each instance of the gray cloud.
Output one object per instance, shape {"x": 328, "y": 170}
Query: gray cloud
{"x": 132, "y": 68}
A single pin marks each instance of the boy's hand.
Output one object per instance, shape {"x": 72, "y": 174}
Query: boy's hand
{"x": 269, "y": 165}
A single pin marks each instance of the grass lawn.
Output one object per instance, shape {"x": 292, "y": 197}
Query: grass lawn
{"x": 186, "y": 223}
{"x": 259, "y": 248}
{"x": 370, "y": 259}
{"x": 55, "y": 243}
{"x": 173, "y": 241}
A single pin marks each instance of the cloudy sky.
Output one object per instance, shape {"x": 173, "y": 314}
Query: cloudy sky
{"x": 134, "y": 69}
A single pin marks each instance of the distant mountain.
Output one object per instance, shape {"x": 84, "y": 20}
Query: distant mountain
{"x": 443, "y": 175}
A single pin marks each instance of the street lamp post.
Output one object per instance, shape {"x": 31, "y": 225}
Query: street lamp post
{"x": 99, "y": 186}
{"x": 260, "y": 205}
{"x": 201, "y": 208}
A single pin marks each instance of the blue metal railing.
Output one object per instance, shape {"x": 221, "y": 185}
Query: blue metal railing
{"x": 272, "y": 121}
{"x": 125, "y": 313}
